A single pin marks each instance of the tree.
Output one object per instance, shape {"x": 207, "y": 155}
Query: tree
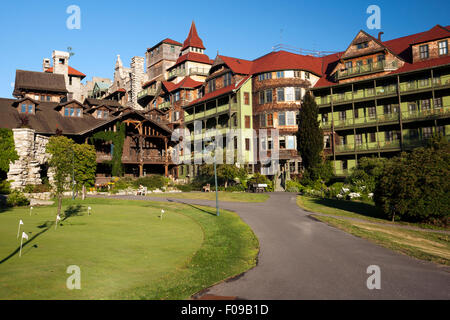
{"x": 8, "y": 152}
{"x": 85, "y": 165}
{"x": 225, "y": 172}
{"x": 310, "y": 135}
{"x": 61, "y": 161}
{"x": 367, "y": 173}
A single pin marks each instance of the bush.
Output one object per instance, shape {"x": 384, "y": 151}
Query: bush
{"x": 5, "y": 187}
{"x": 236, "y": 188}
{"x": 259, "y": 178}
{"x": 152, "y": 182}
{"x": 122, "y": 183}
{"x": 366, "y": 174}
{"x": 415, "y": 187}
{"x": 17, "y": 199}
{"x": 37, "y": 188}
{"x": 334, "y": 189}
{"x": 294, "y": 186}
{"x": 184, "y": 187}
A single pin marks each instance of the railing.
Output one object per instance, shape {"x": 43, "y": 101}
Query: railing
{"x": 134, "y": 158}
{"x": 424, "y": 114}
{"x": 386, "y": 90}
{"x": 343, "y": 122}
{"x": 343, "y": 148}
{"x": 147, "y": 92}
{"x": 415, "y": 85}
{"x": 365, "y": 69}
{"x": 176, "y": 73}
{"x": 164, "y": 105}
{"x": 199, "y": 71}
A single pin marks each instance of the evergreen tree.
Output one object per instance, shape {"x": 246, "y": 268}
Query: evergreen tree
{"x": 309, "y": 135}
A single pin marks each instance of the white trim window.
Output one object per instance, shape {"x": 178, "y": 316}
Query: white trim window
{"x": 443, "y": 47}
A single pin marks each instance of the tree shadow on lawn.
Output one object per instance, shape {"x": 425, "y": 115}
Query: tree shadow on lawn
{"x": 193, "y": 206}
{"x": 72, "y": 210}
{"x": 361, "y": 208}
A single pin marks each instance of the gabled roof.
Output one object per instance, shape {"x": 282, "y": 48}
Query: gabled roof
{"x": 238, "y": 66}
{"x": 40, "y": 81}
{"x": 102, "y": 85}
{"x": 62, "y": 104}
{"x": 221, "y": 91}
{"x": 72, "y": 72}
{"x": 193, "y": 40}
{"x": 435, "y": 33}
{"x": 102, "y": 102}
{"x": 166, "y": 40}
{"x": 192, "y": 56}
{"x": 185, "y": 83}
{"x": 283, "y": 60}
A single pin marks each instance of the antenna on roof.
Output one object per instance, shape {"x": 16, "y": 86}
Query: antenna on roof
{"x": 69, "y": 49}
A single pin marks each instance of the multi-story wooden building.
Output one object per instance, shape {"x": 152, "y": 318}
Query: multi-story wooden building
{"x": 378, "y": 98}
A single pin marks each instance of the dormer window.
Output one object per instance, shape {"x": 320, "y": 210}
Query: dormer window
{"x": 102, "y": 114}
{"x": 27, "y": 108}
{"x": 362, "y": 45}
{"x": 443, "y": 47}
{"x": 72, "y": 112}
{"x": 423, "y": 51}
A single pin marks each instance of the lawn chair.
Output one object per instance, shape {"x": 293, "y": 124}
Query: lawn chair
{"x": 142, "y": 191}
{"x": 207, "y": 188}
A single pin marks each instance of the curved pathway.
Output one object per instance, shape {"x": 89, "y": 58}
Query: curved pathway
{"x": 302, "y": 258}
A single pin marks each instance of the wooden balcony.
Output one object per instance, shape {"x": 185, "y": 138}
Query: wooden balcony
{"x": 136, "y": 159}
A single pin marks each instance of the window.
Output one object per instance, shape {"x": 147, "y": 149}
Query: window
{"x": 270, "y": 120}
{"x": 281, "y": 118}
{"x": 371, "y": 91}
{"x": 290, "y": 142}
{"x": 289, "y": 94}
{"x": 306, "y": 75}
{"x": 177, "y": 96}
{"x": 280, "y": 74}
{"x": 42, "y": 98}
{"x": 282, "y": 143}
{"x": 440, "y": 130}
{"x": 298, "y": 94}
{"x": 261, "y": 97}
{"x": 264, "y": 76}
{"x": 105, "y": 114}
{"x": 423, "y": 82}
{"x": 172, "y": 49}
{"x": 372, "y": 112}
{"x": 348, "y": 65}
{"x": 62, "y": 61}
{"x": 443, "y": 47}
{"x": 425, "y": 104}
{"x": 387, "y": 109}
{"x": 23, "y": 108}
{"x": 437, "y": 103}
{"x": 280, "y": 94}
{"x": 343, "y": 140}
{"x": 325, "y": 118}
{"x": 268, "y": 95}
{"x": 356, "y": 113}
{"x": 342, "y": 115}
{"x": 246, "y": 98}
{"x": 362, "y": 45}
{"x": 72, "y": 112}
{"x": 359, "y": 63}
{"x": 78, "y": 113}
{"x": 290, "y": 115}
{"x": 99, "y": 114}
{"x": 412, "y": 107}
{"x": 369, "y": 61}
{"x": 381, "y": 58}
{"x": 427, "y": 132}
{"x": 262, "y": 120}
{"x": 227, "y": 79}
{"x": 423, "y": 51}
{"x": 247, "y": 122}
{"x": 176, "y": 116}
{"x": 297, "y": 74}
{"x": 373, "y": 137}
{"x": 389, "y": 136}
{"x": 70, "y": 80}
{"x": 66, "y": 112}
{"x": 212, "y": 85}
{"x": 26, "y": 108}
{"x": 247, "y": 144}
{"x": 358, "y": 139}
{"x": 49, "y": 98}
{"x": 235, "y": 143}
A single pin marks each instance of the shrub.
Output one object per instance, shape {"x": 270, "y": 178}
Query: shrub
{"x": 122, "y": 183}
{"x": 17, "y": 199}
{"x": 152, "y": 182}
{"x": 414, "y": 187}
{"x": 184, "y": 187}
{"x": 334, "y": 189}
{"x": 37, "y": 188}
{"x": 294, "y": 186}
{"x": 5, "y": 187}
{"x": 236, "y": 188}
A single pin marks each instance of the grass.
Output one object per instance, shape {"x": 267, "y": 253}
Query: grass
{"x": 124, "y": 250}
{"x": 223, "y": 196}
{"x": 422, "y": 245}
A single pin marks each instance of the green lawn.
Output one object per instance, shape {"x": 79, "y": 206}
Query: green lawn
{"x": 223, "y": 196}
{"x": 423, "y": 245}
{"x": 124, "y": 250}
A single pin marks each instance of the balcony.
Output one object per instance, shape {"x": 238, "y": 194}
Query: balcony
{"x": 386, "y": 90}
{"x": 133, "y": 157}
{"x": 426, "y": 114}
{"x": 365, "y": 69}
{"x": 147, "y": 92}
{"x": 415, "y": 85}
{"x": 368, "y": 146}
{"x": 164, "y": 105}
{"x": 176, "y": 73}
{"x": 199, "y": 71}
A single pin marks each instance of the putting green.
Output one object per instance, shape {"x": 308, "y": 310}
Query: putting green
{"x": 119, "y": 247}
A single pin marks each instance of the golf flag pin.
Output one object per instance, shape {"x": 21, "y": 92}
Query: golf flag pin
{"x": 89, "y": 210}
{"x": 162, "y": 212}
{"x": 57, "y": 219}
{"x": 24, "y": 236}
{"x": 18, "y": 230}
{"x": 31, "y": 209}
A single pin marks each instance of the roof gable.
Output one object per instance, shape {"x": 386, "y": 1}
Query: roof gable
{"x": 193, "y": 40}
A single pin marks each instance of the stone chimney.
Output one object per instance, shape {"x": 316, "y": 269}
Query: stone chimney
{"x": 60, "y": 62}
{"x": 137, "y": 77}
{"x": 45, "y": 64}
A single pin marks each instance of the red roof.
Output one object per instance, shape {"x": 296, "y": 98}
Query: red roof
{"x": 435, "y": 33}
{"x": 187, "y": 82}
{"x": 193, "y": 40}
{"x": 239, "y": 66}
{"x": 166, "y": 40}
{"x": 72, "y": 72}
{"x": 282, "y": 60}
{"x": 219, "y": 92}
{"x": 400, "y": 46}
{"x": 195, "y": 57}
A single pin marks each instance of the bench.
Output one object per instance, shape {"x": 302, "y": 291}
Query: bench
{"x": 206, "y": 188}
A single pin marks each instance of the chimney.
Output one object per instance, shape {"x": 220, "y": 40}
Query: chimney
{"x": 45, "y": 64}
{"x": 60, "y": 62}
{"x": 379, "y": 35}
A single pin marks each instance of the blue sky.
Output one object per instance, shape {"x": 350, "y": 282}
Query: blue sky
{"x": 245, "y": 29}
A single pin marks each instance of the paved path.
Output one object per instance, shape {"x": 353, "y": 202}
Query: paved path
{"x": 302, "y": 258}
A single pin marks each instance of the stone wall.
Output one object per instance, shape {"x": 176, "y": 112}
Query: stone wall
{"x": 31, "y": 150}
{"x": 137, "y": 79}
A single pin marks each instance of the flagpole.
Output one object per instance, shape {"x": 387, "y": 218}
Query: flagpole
{"x": 18, "y": 231}
{"x": 21, "y": 241}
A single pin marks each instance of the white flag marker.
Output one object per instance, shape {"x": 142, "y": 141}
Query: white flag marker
{"x": 31, "y": 209}
{"x": 162, "y": 212}
{"x": 18, "y": 230}
{"x": 57, "y": 219}
{"x": 89, "y": 211}
{"x": 24, "y": 236}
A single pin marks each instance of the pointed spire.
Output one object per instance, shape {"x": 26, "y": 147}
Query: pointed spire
{"x": 193, "y": 40}
{"x": 118, "y": 62}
